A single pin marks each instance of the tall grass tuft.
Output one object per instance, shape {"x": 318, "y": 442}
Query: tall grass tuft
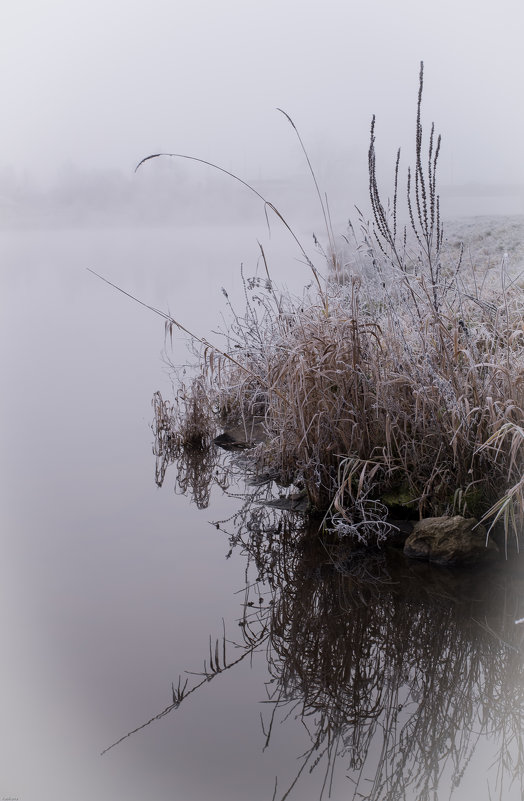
{"x": 397, "y": 372}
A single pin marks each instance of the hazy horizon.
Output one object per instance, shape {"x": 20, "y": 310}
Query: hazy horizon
{"x": 176, "y": 192}
{"x": 91, "y": 86}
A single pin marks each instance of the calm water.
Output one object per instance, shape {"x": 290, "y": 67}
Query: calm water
{"x": 380, "y": 680}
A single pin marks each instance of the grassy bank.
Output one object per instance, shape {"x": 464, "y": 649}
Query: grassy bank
{"x": 398, "y": 375}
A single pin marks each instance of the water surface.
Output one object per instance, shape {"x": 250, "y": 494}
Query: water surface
{"x": 391, "y": 681}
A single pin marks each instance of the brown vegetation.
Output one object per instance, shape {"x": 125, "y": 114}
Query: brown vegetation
{"x": 396, "y": 372}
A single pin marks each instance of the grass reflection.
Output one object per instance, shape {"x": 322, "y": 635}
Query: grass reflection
{"x": 397, "y": 669}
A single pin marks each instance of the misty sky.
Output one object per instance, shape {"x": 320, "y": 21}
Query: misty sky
{"x": 102, "y": 84}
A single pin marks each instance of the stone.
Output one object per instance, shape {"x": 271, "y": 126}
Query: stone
{"x": 297, "y": 502}
{"x": 450, "y": 541}
{"x": 241, "y": 437}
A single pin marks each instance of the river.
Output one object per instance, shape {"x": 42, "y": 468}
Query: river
{"x": 386, "y": 681}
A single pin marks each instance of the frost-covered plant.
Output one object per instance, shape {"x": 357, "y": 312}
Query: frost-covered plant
{"x": 398, "y": 365}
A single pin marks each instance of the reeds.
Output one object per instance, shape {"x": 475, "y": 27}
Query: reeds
{"x": 396, "y": 365}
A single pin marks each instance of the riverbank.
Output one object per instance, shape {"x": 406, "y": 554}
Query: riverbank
{"x": 397, "y": 373}
{"x": 367, "y": 387}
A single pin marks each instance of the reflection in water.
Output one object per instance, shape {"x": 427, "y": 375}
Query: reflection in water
{"x": 195, "y": 465}
{"x": 399, "y": 671}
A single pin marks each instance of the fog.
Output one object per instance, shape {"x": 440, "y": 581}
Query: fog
{"x": 110, "y": 586}
{"x": 90, "y": 88}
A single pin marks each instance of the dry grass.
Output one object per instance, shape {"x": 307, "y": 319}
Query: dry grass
{"x": 402, "y": 394}
{"x": 395, "y": 373}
